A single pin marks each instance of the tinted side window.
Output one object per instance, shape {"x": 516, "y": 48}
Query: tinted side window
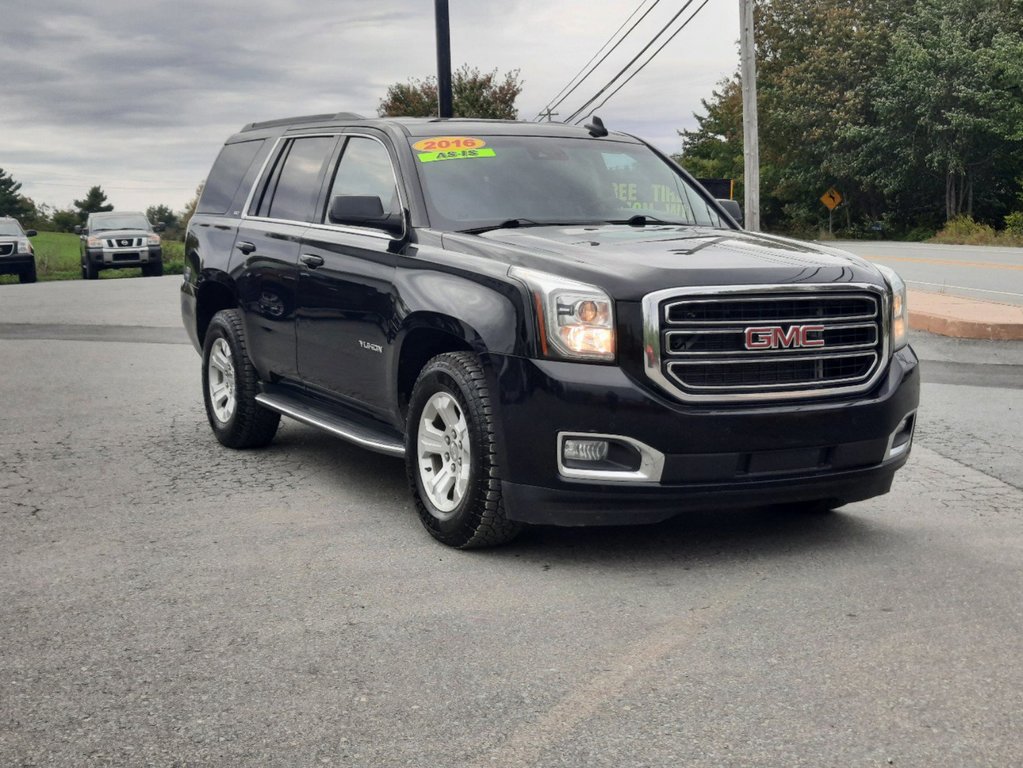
{"x": 298, "y": 186}
{"x": 226, "y": 176}
{"x": 365, "y": 169}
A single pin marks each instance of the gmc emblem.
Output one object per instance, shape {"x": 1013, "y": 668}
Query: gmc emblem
{"x": 774, "y": 336}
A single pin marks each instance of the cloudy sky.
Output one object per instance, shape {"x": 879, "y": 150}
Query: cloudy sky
{"x": 138, "y": 96}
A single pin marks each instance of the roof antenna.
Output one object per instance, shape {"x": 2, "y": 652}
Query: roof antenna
{"x": 596, "y": 128}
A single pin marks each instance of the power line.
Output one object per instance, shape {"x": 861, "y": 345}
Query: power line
{"x": 624, "y": 69}
{"x": 559, "y": 96}
{"x": 643, "y": 65}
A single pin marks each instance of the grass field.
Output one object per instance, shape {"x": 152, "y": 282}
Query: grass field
{"x": 57, "y": 258}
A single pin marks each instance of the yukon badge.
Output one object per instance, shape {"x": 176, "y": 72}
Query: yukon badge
{"x": 774, "y": 337}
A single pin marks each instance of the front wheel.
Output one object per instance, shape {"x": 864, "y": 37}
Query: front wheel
{"x": 230, "y": 385}
{"x": 450, "y": 455}
{"x": 89, "y": 270}
{"x": 153, "y": 268}
{"x": 29, "y": 275}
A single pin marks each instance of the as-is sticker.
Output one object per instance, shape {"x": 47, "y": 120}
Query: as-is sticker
{"x": 452, "y": 148}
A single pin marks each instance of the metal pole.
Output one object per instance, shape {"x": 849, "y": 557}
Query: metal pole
{"x": 750, "y": 132}
{"x": 443, "y": 59}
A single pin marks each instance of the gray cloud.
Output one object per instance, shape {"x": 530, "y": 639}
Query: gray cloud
{"x": 138, "y": 96}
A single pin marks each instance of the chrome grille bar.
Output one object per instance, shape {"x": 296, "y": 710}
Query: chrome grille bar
{"x": 869, "y": 330}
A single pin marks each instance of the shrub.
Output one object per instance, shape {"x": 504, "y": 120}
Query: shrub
{"x": 1014, "y": 224}
{"x": 963, "y": 230}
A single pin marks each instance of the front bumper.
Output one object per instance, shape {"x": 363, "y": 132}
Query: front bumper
{"x": 16, "y": 264}
{"x": 713, "y": 456}
{"x": 124, "y": 257}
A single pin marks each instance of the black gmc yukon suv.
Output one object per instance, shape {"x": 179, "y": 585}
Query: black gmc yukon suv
{"x": 550, "y": 324}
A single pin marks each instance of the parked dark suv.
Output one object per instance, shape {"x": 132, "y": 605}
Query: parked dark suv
{"x": 550, "y": 324}
{"x": 16, "y": 254}
{"x": 117, "y": 240}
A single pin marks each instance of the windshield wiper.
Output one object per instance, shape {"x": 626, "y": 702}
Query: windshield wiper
{"x": 510, "y": 224}
{"x": 641, "y": 220}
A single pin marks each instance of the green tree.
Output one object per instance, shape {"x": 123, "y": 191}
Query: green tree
{"x": 162, "y": 214}
{"x": 912, "y": 108}
{"x": 36, "y": 216}
{"x": 65, "y": 219}
{"x": 473, "y": 94}
{"x": 12, "y": 203}
{"x": 714, "y": 149}
{"x": 186, "y": 215}
{"x": 95, "y": 201}
{"x": 949, "y": 108}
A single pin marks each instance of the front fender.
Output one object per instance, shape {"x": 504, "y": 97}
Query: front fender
{"x": 484, "y": 313}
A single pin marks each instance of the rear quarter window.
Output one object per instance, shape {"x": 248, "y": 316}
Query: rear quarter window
{"x": 231, "y": 167}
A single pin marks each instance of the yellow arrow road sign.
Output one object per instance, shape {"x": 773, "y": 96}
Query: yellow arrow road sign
{"x": 832, "y": 199}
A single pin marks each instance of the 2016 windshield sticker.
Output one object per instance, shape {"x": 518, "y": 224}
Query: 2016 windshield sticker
{"x": 451, "y": 148}
{"x": 441, "y": 143}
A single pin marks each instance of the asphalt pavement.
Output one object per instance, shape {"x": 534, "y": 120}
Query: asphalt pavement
{"x": 971, "y": 292}
{"x": 165, "y": 601}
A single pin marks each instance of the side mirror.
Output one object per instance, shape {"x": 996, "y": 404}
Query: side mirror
{"x": 159, "y": 226}
{"x": 80, "y": 230}
{"x": 733, "y": 209}
{"x": 30, "y": 233}
{"x": 364, "y": 211}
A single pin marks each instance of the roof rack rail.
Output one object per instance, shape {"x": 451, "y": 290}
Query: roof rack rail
{"x": 302, "y": 119}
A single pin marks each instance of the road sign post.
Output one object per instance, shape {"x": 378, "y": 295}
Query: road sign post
{"x": 831, "y": 199}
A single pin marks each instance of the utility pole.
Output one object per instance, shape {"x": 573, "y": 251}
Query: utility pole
{"x": 750, "y": 131}
{"x": 443, "y": 59}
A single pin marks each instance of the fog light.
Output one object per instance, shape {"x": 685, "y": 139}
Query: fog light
{"x": 584, "y": 450}
{"x": 902, "y": 437}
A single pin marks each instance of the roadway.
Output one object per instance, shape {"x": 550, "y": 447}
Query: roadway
{"x": 979, "y": 272}
{"x": 166, "y": 601}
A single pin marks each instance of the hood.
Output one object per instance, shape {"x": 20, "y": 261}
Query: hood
{"x": 111, "y": 234}
{"x": 630, "y": 262}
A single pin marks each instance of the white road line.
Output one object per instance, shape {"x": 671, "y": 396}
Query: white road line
{"x": 964, "y": 288}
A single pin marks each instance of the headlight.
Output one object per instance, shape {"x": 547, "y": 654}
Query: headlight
{"x": 153, "y": 239}
{"x": 900, "y": 307}
{"x": 24, "y": 246}
{"x": 94, "y": 242}
{"x": 576, "y": 320}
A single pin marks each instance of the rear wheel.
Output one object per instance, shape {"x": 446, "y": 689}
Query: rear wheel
{"x": 450, "y": 455}
{"x": 230, "y": 385}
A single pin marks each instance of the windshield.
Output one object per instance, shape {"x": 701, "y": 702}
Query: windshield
{"x": 10, "y": 227}
{"x": 120, "y": 221}
{"x": 473, "y": 182}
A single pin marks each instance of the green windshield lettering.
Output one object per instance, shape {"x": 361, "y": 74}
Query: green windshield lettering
{"x": 456, "y": 154}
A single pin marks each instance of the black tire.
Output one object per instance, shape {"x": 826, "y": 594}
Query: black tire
{"x": 477, "y": 518}
{"x": 29, "y": 275}
{"x": 246, "y": 424}
{"x": 153, "y": 269}
{"x": 89, "y": 270}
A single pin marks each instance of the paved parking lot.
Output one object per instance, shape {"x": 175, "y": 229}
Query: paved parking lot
{"x": 165, "y": 601}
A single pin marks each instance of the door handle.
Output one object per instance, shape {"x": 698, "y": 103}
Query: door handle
{"x": 245, "y": 247}
{"x": 311, "y": 260}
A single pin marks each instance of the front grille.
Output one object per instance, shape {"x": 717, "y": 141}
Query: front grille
{"x": 6, "y": 249}
{"x": 124, "y": 242}
{"x": 766, "y": 342}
